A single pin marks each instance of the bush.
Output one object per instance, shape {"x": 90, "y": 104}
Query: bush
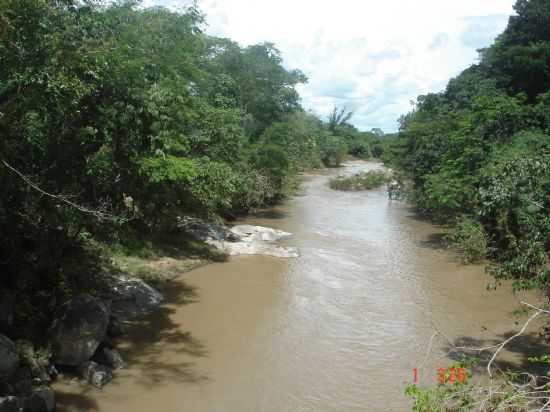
{"x": 470, "y": 238}
{"x": 361, "y": 181}
{"x": 333, "y": 151}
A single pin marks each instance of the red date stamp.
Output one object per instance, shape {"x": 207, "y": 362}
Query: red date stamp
{"x": 446, "y": 375}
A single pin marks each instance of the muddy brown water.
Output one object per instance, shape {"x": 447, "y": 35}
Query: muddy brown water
{"x": 338, "y": 329}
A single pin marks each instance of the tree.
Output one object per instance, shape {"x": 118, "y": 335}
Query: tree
{"x": 338, "y": 117}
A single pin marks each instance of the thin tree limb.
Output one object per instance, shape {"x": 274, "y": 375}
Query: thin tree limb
{"x": 97, "y": 213}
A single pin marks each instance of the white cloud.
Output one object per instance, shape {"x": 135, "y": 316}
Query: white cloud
{"x": 373, "y": 56}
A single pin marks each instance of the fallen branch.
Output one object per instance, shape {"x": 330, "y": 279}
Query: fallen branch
{"x": 506, "y": 395}
{"x": 97, "y": 213}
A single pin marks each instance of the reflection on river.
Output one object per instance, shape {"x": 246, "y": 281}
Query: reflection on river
{"x": 338, "y": 329}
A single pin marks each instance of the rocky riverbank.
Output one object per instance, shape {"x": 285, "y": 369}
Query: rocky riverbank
{"x": 81, "y": 338}
{"x": 80, "y": 344}
{"x": 240, "y": 239}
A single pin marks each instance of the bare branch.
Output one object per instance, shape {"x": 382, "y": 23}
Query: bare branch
{"x": 97, "y": 213}
{"x": 511, "y": 338}
{"x": 503, "y": 395}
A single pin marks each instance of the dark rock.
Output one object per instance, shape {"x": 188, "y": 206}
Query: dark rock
{"x": 7, "y": 304}
{"x": 6, "y": 388}
{"x": 34, "y": 403}
{"x": 9, "y": 359}
{"x": 110, "y": 357}
{"x": 232, "y": 237}
{"x": 133, "y": 297}
{"x": 79, "y": 329}
{"x": 9, "y": 404}
{"x": 22, "y": 381}
{"x": 39, "y": 373}
{"x": 116, "y": 327}
{"x": 52, "y": 371}
{"x": 203, "y": 230}
{"x": 95, "y": 374}
{"x": 47, "y": 395}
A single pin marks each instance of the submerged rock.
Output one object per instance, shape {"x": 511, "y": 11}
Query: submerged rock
{"x": 78, "y": 331}
{"x": 133, "y": 297}
{"x": 95, "y": 374}
{"x": 9, "y": 359}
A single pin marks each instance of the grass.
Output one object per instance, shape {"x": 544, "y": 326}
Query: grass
{"x": 360, "y": 181}
{"x": 161, "y": 258}
{"x": 155, "y": 271}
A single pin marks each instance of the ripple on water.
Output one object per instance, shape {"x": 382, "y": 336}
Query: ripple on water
{"x": 337, "y": 329}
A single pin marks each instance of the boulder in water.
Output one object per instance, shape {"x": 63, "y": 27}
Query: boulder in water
{"x": 133, "y": 297}
{"x": 95, "y": 374}
{"x": 110, "y": 357}
{"x": 79, "y": 329}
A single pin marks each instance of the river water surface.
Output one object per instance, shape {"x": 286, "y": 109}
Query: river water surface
{"x": 338, "y": 329}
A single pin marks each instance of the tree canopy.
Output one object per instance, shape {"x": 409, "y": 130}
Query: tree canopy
{"x": 117, "y": 118}
{"x": 480, "y": 150}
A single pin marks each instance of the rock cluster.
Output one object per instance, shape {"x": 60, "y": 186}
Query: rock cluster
{"x": 24, "y": 380}
{"x": 240, "y": 239}
{"x": 79, "y": 329}
{"x": 80, "y": 340}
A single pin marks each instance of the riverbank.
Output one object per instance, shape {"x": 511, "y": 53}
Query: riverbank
{"x": 339, "y": 328}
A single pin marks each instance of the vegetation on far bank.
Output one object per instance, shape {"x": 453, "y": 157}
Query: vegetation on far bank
{"x": 477, "y": 156}
{"x": 371, "y": 179}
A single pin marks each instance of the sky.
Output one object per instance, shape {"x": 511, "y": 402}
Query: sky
{"x": 372, "y": 56}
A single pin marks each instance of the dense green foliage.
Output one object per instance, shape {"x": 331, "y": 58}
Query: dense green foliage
{"x": 480, "y": 150}
{"x": 470, "y": 238}
{"x": 116, "y": 119}
{"x": 361, "y": 181}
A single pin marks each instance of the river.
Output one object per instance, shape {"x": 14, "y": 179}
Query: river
{"x": 338, "y": 329}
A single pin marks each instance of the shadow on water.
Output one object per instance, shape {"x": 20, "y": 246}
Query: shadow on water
{"x": 436, "y": 241}
{"x": 76, "y": 402}
{"x": 155, "y": 349}
{"x": 151, "y": 337}
{"x": 521, "y": 348}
